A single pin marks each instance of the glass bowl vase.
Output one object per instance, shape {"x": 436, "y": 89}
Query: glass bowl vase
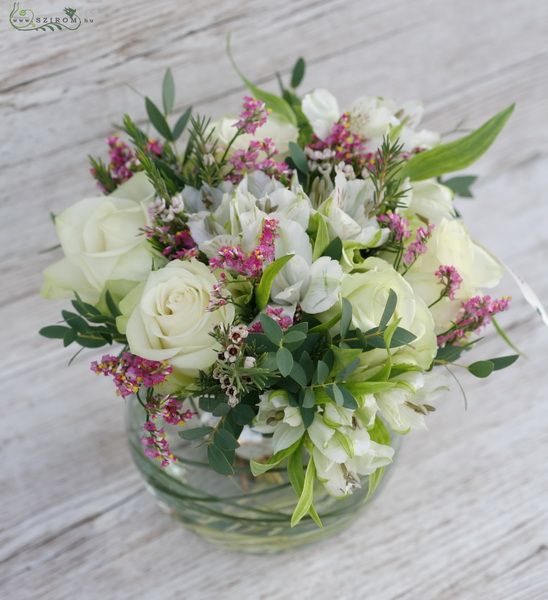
{"x": 240, "y": 512}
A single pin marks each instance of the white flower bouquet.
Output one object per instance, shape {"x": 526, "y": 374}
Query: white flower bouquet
{"x": 298, "y": 272}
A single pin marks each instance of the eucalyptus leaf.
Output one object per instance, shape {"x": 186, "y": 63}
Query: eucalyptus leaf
{"x": 57, "y": 332}
{"x": 389, "y": 309}
{"x": 284, "y": 360}
{"x": 168, "y": 92}
{"x": 271, "y": 329}
{"x": 298, "y": 157}
{"x": 195, "y": 433}
{"x": 461, "y": 185}
{"x": 218, "y": 460}
{"x": 482, "y": 368}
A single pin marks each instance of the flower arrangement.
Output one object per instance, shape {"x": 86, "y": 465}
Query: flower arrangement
{"x": 298, "y": 271}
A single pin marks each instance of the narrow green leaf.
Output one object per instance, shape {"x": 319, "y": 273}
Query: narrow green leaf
{"x": 111, "y": 305}
{"x": 504, "y": 335}
{"x": 461, "y": 185}
{"x": 271, "y": 329}
{"x": 346, "y": 317}
{"x": 87, "y": 342}
{"x": 322, "y": 236}
{"x": 276, "y": 104}
{"x": 195, "y": 433}
{"x": 379, "y": 432}
{"x": 284, "y": 360}
{"x": 56, "y": 332}
{"x": 298, "y": 72}
{"x": 307, "y": 415}
{"x": 295, "y": 472}
{"x": 373, "y": 481}
{"x": 389, "y": 309}
{"x": 458, "y": 154}
{"x": 181, "y": 123}
{"x": 158, "y": 120}
{"x": 298, "y": 157}
{"x": 168, "y": 92}
{"x": 262, "y": 293}
{"x": 258, "y": 468}
{"x": 402, "y": 337}
{"x": 307, "y": 495}
{"x": 482, "y": 368}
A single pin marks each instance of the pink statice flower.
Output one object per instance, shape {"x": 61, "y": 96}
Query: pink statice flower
{"x": 253, "y": 115}
{"x": 418, "y": 246}
{"x": 398, "y": 225}
{"x": 450, "y": 278}
{"x": 130, "y": 372}
{"x": 474, "y": 314}
{"x": 278, "y": 314}
{"x": 170, "y": 409}
{"x": 259, "y": 156}
{"x": 155, "y": 444}
{"x": 233, "y": 258}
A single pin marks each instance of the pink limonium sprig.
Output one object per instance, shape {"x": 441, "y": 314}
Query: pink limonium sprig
{"x": 278, "y": 314}
{"x": 418, "y": 246}
{"x": 398, "y": 225}
{"x": 259, "y": 156}
{"x": 155, "y": 444}
{"x": 253, "y": 115}
{"x": 233, "y": 258}
{"x": 130, "y": 372}
{"x": 474, "y": 314}
{"x": 451, "y": 281}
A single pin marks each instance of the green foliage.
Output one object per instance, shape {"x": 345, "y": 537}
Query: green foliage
{"x": 158, "y": 120}
{"x": 484, "y": 368}
{"x": 458, "y": 154}
{"x": 461, "y": 185}
{"x": 262, "y": 292}
{"x": 168, "y": 92}
{"x": 298, "y": 157}
{"x": 181, "y": 123}
{"x": 307, "y": 495}
{"x": 297, "y": 74}
{"x": 87, "y": 327}
{"x": 195, "y": 433}
{"x": 101, "y": 173}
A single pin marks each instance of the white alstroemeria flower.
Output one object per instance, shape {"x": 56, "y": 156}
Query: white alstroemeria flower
{"x": 374, "y": 118}
{"x": 349, "y": 212}
{"x": 321, "y": 108}
{"x": 276, "y": 416}
{"x": 431, "y": 201}
{"x": 206, "y": 198}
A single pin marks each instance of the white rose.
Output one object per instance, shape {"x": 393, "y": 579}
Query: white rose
{"x": 431, "y": 200}
{"x": 102, "y": 241}
{"x": 170, "y": 320}
{"x": 368, "y": 292}
{"x": 321, "y": 108}
{"x": 451, "y": 244}
{"x": 280, "y": 132}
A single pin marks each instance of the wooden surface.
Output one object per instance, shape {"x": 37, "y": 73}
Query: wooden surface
{"x": 465, "y": 514}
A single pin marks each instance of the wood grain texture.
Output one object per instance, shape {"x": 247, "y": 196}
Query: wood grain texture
{"x": 464, "y": 516}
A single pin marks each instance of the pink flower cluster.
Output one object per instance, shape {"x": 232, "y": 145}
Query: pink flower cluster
{"x": 449, "y": 277}
{"x": 345, "y": 145}
{"x": 233, "y": 258}
{"x": 175, "y": 243}
{"x": 475, "y": 313}
{"x": 276, "y": 313}
{"x": 253, "y": 116}
{"x": 418, "y": 246}
{"x": 399, "y": 226}
{"x": 130, "y": 372}
{"x": 259, "y": 156}
{"x": 155, "y": 444}
{"x": 170, "y": 409}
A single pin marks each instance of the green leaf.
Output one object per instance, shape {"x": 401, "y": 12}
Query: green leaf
{"x": 181, "y": 123}
{"x": 297, "y": 74}
{"x": 346, "y": 317}
{"x": 111, "y": 305}
{"x": 75, "y": 321}
{"x": 309, "y": 398}
{"x": 402, "y": 337}
{"x": 276, "y": 104}
{"x": 504, "y": 361}
{"x": 168, "y": 91}
{"x": 219, "y": 461}
{"x": 225, "y": 440}
{"x": 482, "y": 368}
{"x": 348, "y": 399}
{"x": 379, "y": 432}
{"x": 334, "y": 392}
{"x": 243, "y": 414}
{"x": 458, "y": 154}
{"x": 87, "y": 342}
{"x": 461, "y": 185}
{"x": 294, "y": 337}
{"x": 373, "y": 481}
{"x": 450, "y": 353}
{"x": 322, "y": 236}
{"x": 284, "y": 360}
{"x": 334, "y": 249}
{"x": 504, "y": 335}
{"x": 271, "y": 329}
{"x": 298, "y": 157}
{"x": 322, "y": 372}
{"x": 262, "y": 293}
{"x": 295, "y": 472}
{"x": 69, "y": 337}
{"x": 307, "y": 495}
{"x": 389, "y": 309}
{"x": 258, "y": 468}
{"x": 307, "y": 415}
{"x": 195, "y": 433}
{"x": 55, "y": 332}
{"x": 298, "y": 374}
{"x": 158, "y": 120}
